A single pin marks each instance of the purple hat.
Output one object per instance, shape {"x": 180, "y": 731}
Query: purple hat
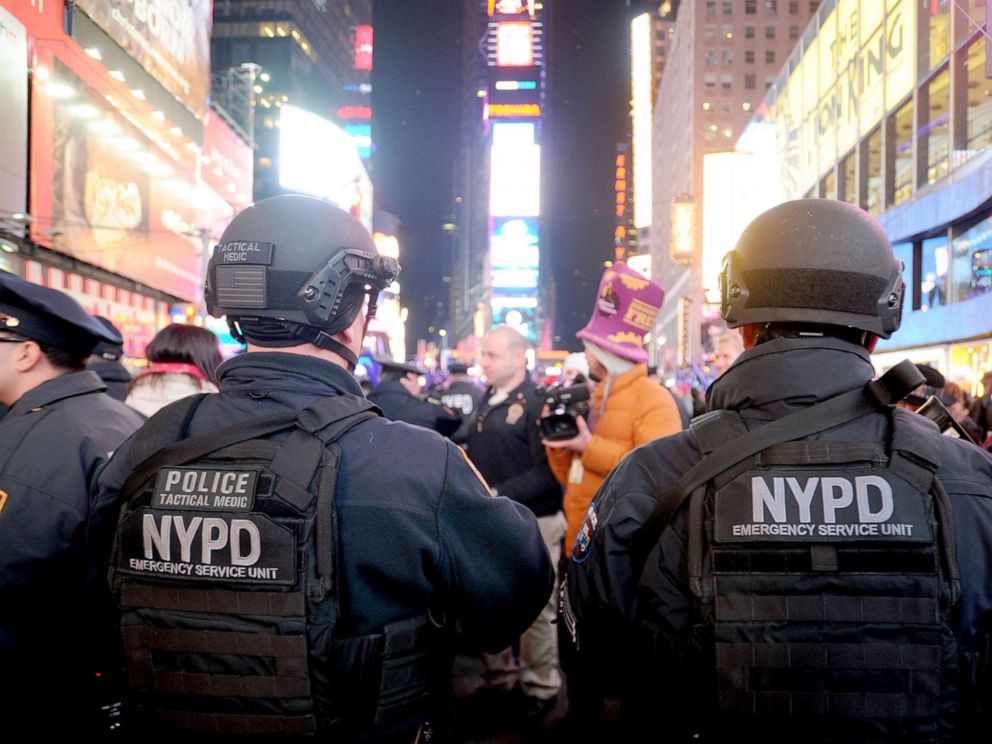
{"x": 626, "y": 307}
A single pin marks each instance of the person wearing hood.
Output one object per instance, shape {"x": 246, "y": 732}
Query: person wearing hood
{"x": 626, "y": 409}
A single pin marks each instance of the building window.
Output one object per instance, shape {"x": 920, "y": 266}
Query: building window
{"x": 769, "y": 81}
{"x": 749, "y": 81}
{"x": 935, "y": 38}
{"x": 728, "y": 7}
{"x": 976, "y": 11}
{"x": 979, "y": 91}
{"x": 709, "y": 32}
{"x": 847, "y": 185}
{"x": 900, "y": 144}
{"x": 872, "y": 153}
{"x": 793, "y": 7}
{"x": 971, "y": 261}
{"x": 770, "y": 56}
{"x": 793, "y": 32}
{"x": 728, "y": 132}
{"x": 814, "y": 4}
{"x": 934, "y": 127}
{"x": 771, "y": 7}
{"x": 709, "y": 57}
{"x": 710, "y": 8}
{"x": 769, "y": 32}
{"x": 709, "y": 80}
{"x": 904, "y": 252}
{"x": 828, "y": 186}
{"x": 749, "y": 32}
{"x": 728, "y": 56}
{"x": 728, "y": 31}
{"x": 725, "y": 107}
{"x": 726, "y": 81}
{"x": 749, "y": 56}
{"x": 933, "y": 272}
{"x": 750, "y": 6}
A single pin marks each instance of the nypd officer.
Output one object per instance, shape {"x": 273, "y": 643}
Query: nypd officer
{"x": 60, "y": 429}
{"x": 807, "y": 562}
{"x": 398, "y": 397}
{"x": 287, "y": 561}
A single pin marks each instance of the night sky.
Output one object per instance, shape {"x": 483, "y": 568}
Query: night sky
{"x": 415, "y": 102}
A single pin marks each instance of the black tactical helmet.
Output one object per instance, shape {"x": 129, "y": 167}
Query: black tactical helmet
{"x": 813, "y": 261}
{"x": 294, "y": 269}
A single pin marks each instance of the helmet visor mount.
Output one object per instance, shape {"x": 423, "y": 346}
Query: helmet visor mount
{"x": 329, "y": 292}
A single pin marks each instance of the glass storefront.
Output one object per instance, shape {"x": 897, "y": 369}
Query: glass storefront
{"x": 934, "y": 134}
{"x": 933, "y": 272}
{"x": 971, "y": 261}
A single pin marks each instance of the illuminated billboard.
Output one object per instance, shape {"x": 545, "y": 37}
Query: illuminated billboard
{"x": 14, "y": 103}
{"x": 514, "y": 244}
{"x": 509, "y": 7}
{"x": 514, "y": 44}
{"x": 640, "y": 56}
{"x": 514, "y": 171}
{"x": 363, "y": 47}
{"x": 171, "y": 40}
{"x": 517, "y": 317}
{"x": 318, "y": 157}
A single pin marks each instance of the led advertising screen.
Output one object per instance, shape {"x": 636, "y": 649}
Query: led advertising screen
{"x": 318, "y": 157}
{"x": 14, "y": 104}
{"x": 363, "y": 47}
{"x": 519, "y": 318}
{"x": 514, "y": 44}
{"x": 514, "y": 244}
{"x": 169, "y": 38}
{"x": 116, "y": 200}
{"x": 514, "y": 171}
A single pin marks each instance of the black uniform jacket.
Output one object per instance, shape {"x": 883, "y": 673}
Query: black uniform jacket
{"x": 52, "y": 442}
{"x": 397, "y": 404}
{"x": 115, "y": 376}
{"x": 505, "y": 444}
{"x": 416, "y": 523}
{"x": 765, "y": 383}
{"x": 464, "y": 397}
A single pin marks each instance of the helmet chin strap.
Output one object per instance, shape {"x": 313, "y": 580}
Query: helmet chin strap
{"x": 321, "y": 340}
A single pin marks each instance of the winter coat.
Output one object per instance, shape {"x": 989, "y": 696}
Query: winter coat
{"x": 624, "y": 413}
{"x": 150, "y": 393}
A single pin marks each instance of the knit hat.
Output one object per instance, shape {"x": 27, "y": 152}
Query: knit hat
{"x": 626, "y": 306}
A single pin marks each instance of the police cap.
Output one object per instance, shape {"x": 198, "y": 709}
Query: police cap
{"x": 458, "y": 368}
{"x": 50, "y": 317}
{"x": 111, "y": 351}
{"x": 389, "y": 366}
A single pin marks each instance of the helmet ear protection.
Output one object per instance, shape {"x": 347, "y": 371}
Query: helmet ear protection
{"x": 324, "y": 295}
{"x": 813, "y": 261}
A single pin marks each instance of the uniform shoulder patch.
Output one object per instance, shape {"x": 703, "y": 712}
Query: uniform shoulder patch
{"x": 583, "y": 541}
{"x": 471, "y": 465}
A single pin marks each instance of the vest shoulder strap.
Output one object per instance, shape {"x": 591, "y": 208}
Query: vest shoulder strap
{"x": 715, "y": 428}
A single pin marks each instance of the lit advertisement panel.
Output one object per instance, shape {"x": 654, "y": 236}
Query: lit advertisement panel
{"x": 514, "y": 244}
{"x": 14, "y": 104}
{"x": 640, "y": 53}
{"x": 170, "y": 39}
{"x": 519, "y": 318}
{"x": 361, "y": 135}
{"x": 363, "y": 47}
{"x": 514, "y": 279}
{"x": 114, "y": 199}
{"x": 318, "y": 157}
{"x": 514, "y": 171}
{"x": 514, "y": 44}
{"x": 226, "y": 165}
{"x": 509, "y": 7}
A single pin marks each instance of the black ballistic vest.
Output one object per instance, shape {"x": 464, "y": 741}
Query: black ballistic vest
{"x": 225, "y": 571}
{"x": 823, "y": 579}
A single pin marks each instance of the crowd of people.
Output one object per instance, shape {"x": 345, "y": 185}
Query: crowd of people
{"x": 254, "y": 546}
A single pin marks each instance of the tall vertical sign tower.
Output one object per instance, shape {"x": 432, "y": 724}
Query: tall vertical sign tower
{"x": 513, "y": 110}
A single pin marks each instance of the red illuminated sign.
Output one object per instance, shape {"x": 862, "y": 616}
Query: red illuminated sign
{"x": 363, "y": 47}
{"x": 514, "y": 44}
{"x": 355, "y": 112}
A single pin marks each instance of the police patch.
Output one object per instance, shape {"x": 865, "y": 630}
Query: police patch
{"x": 205, "y": 489}
{"x": 583, "y": 541}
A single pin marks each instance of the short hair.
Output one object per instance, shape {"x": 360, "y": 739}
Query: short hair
{"x": 515, "y": 340}
{"x": 729, "y": 337}
{"x": 62, "y": 359}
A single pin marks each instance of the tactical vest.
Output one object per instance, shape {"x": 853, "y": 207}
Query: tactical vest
{"x": 823, "y": 579}
{"x": 225, "y": 571}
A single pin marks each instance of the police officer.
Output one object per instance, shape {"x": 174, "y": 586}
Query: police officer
{"x": 61, "y": 427}
{"x": 807, "y": 562}
{"x": 286, "y": 560}
{"x": 463, "y": 396}
{"x": 106, "y": 362}
{"x": 398, "y": 397}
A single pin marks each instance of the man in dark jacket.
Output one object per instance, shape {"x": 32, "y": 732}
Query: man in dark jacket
{"x": 768, "y": 606}
{"x": 60, "y": 429}
{"x": 106, "y": 362}
{"x": 463, "y": 396}
{"x": 398, "y": 397}
{"x": 357, "y": 573}
{"x": 505, "y": 444}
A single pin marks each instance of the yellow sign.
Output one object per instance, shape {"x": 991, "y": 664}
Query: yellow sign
{"x": 501, "y": 110}
{"x": 900, "y": 52}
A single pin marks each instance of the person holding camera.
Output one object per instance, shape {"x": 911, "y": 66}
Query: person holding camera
{"x": 504, "y": 443}
{"x": 627, "y": 408}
